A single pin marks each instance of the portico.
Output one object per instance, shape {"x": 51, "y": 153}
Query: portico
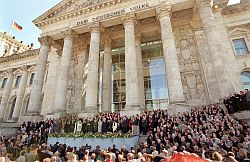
{"x": 136, "y": 56}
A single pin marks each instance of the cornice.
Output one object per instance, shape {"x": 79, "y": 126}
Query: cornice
{"x": 75, "y": 13}
{"x": 23, "y": 55}
{"x": 237, "y": 8}
{"x": 8, "y": 38}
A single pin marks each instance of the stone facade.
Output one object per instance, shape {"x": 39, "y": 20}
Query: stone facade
{"x": 10, "y": 45}
{"x": 74, "y": 68}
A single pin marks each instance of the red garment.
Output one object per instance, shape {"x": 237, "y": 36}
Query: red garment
{"x": 108, "y": 160}
{"x": 182, "y": 157}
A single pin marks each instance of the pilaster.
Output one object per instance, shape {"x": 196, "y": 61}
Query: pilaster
{"x": 20, "y": 93}
{"x": 6, "y": 94}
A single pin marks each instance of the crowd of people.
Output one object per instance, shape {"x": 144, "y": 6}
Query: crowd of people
{"x": 210, "y": 132}
{"x": 238, "y": 102}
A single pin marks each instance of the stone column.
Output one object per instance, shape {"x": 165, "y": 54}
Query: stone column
{"x": 93, "y": 69}
{"x": 51, "y": 83}
{"x": 132, "y": 94}
{"x": 214, "y": 44}
{"x": 232, "y": 65}
{"x": 37, "y": 86}
{"x": 63, "y": 76}
{"x": 6, "y": 94}
{"x": 20, "y": 94}
{"x": 107, "y": 77}
{"x": 140, "y": 73}
{"x": 175, "y": 88}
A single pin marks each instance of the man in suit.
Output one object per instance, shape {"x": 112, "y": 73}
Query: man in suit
{"x": 248, "y": 99}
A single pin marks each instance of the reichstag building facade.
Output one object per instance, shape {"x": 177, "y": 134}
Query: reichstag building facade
{"x": 127, "y": 56}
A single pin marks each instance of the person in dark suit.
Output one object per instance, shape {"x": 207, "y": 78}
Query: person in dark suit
{"x": 248, "y": 99}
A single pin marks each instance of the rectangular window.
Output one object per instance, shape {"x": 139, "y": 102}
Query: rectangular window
{"x": 240, "y": 46}
{"x": 4, "y": 82}
{"x": 32, "y": 78}
{"x": 18, "y": 79}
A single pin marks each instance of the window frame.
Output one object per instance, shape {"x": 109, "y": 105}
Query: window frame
{"x": 32, "y": 75}
{"x": 246, "y": 46}
{"x": 18, "y": 83}
{"x": 3, "y": 85}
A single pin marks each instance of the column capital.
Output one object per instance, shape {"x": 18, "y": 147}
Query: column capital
{"x": 46, "y": 40}
{"x": 199, "y": 4}
{"x": 128, "y": 18}
{"x": 95, "y": 27}
{"x": 163, "y": 10}
{"x": 69, "y": 33}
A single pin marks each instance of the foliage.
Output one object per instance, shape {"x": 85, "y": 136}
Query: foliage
{"x": 91, "y": 135}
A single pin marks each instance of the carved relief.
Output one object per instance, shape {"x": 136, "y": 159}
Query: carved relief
{"x": 72, "y": 82}
{"x": 190, "y": 66}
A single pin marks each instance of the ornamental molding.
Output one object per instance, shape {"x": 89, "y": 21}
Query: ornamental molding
{"x": 234, "y": 9}
{"x": 200, "y": 4}
{"x": 32, "y": 68}
{"x": 4, "y": 74}
{"x": 46, "y": 41}
{"x": 69, "y": 34}
{"x": 15, "y": 57}
{"x": 95, "y": 27}
{"x": 238, "y": 31}
{"x": 128, "y": 18}
{"x": 18, "y": 72}
{"x": 163, "y": 10}
{"x": 62, "y": 11}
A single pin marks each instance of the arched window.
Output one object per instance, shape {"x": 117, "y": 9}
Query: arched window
{"x": 12, "y": 108}
{"x": 25, "y": 104}
{"x": 245, "y": 77}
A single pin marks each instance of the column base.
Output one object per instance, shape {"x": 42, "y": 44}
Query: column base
{"x": 15, "y": 119}
{"x": 131, "y": 110}
{"x": 178, "y": 108}
{"x": 177, "y": 101}
{"x": 31, "y": 117}
{"x": 86, "y": 115}
{"x": 90, "y": 109}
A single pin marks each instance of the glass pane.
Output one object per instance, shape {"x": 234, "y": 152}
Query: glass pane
{"x": 154, "y": 76}
{"x": 245, "y": 77}
{"x": 4, "y": 82}
{"x": 240, "y": 46}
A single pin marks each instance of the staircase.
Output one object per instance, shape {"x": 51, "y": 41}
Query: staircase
{"x": 9, "y": 128}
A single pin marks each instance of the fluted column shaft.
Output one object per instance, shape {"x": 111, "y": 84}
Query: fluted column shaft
{"x": 169, "y": 50}
{"x": 37, "y": 85}
{"x": 20, "y": 94}
{"x": 132, "y": 94}
{"x": 214, "y": 44}
{"x": 6, "y": 94}
{"x": 107, "y": 77}
{"x": 140, "y": 72}
{"x": 63, "y": 77}
{"x": 93, "y": 69}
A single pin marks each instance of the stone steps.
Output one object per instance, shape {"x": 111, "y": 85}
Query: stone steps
{"x": 9, "y": 128}
{"x": 243, "y": 116}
